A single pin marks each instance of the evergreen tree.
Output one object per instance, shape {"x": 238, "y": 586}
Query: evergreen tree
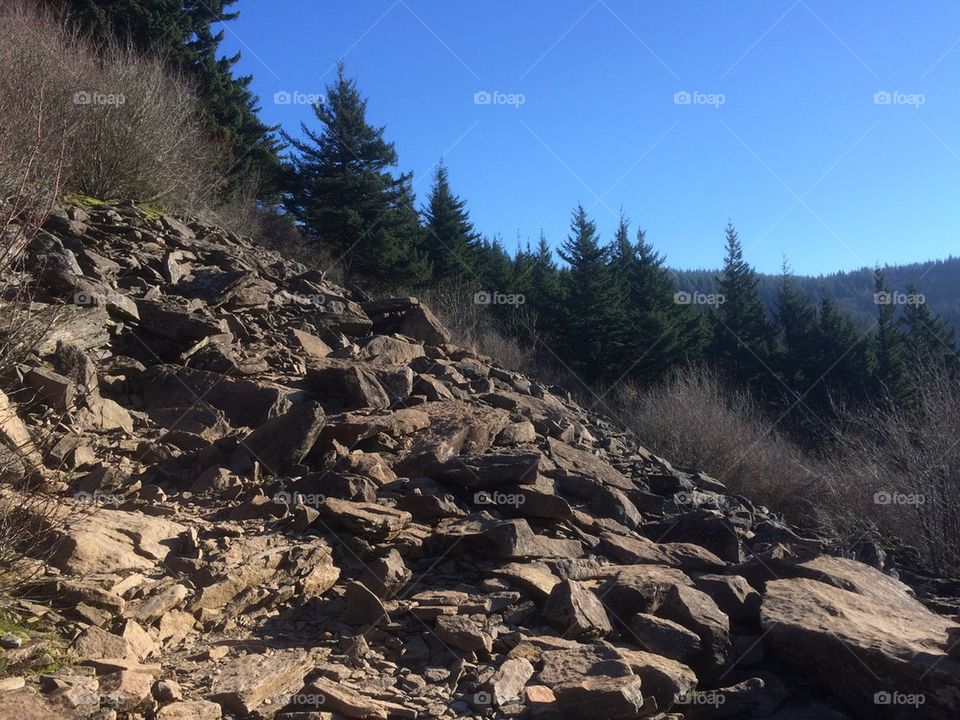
{"x": 546, "y": 290}
{"x": 345, "y": 194}
{"x": 496, "y": 266}
{"x": 891, "y": 370}
{"x": 841, "y": 357}
{"x": 796, "y": 317}
{"x": 450, "y": 239}
{"x": 742, "y": 338}
{"x": 657, "y": 333}
{"x": 543, "y": 292}
{"x": 930, "y": 340}
{"x": 592, "y": 312}
{"x": 181, "y": 33}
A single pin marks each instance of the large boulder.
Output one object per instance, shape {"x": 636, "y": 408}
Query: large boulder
{"x": 113, "y": 541}
{"x": 861, "y": 635}
{"x": 243, "y": 401}
{"x": 284, "y": 441}
{"x": 421, "y": 324}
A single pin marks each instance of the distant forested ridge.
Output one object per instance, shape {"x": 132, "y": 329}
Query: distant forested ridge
{"x": 938, "y": 281}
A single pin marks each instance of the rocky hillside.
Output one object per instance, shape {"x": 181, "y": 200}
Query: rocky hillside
{"x": 282, "y": 500}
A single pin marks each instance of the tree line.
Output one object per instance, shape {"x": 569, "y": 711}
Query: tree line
{"x": 609, "y": 312}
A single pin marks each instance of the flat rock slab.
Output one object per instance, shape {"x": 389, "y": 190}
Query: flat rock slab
{"x": 324, "y": 696}
{"x": 283, "y": 441}
{"x": 456, "y": 428}
{"x": 579, "y": 463}
{"x": 246, "y": 682}
{"x": 897, "y": 646}
{"x": 114, "y": 540}
{"x": 576, "y": 612}
{"x": 192, "y": 710}
{"x": 372, "y": 521}
{"x": 507, "y": 539}
{"x": 244, "y": 402}
{"x": 482, "y": 471}
{"x": 638, "y": 550}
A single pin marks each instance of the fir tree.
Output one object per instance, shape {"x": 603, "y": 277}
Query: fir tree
{"x": 930, "y": 342}
{"x": 450, "y": 239}
{"x": 742, "y": 339}
{"x": 592, "y": 310}
{"x": 842, "y": 360}
{"x": 891, "y": 371}
{"x": 496, "y": 267}
{"x": 345, "y": 194}
{"x": 657, "y": 333}
{"x": 797, "y": 318}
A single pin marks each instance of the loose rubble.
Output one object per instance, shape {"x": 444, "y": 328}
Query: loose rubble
{"x": 283, "y": 499}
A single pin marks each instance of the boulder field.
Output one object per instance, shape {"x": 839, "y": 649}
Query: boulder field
{"x": 281, "y": 498}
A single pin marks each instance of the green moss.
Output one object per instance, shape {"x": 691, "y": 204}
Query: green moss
{"x": 83, "y": 200}
{"x": 9, "y": 624}
{"x": 54, "y": 645}
{"x": 149, "y": 212}
{"x": 87, "y": 201}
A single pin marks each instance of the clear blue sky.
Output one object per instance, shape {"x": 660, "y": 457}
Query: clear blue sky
{"x": 799, "y": 154}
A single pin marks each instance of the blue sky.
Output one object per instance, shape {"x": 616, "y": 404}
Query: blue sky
{"x": 784, "y": 132}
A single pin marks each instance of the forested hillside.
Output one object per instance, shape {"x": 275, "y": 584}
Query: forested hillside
{"x": 853, "y": 290}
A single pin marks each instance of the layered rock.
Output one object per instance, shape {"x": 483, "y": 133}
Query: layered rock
{"x": 285, "y": 499}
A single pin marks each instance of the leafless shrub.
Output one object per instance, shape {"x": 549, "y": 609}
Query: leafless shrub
{"x": 902, "y": 471}
{"x": 699, "y": 420}
{"x": 892, "y": 477}
{"x": 131, "y": 129}
{"x": 474, "y": 325}
{"x": 31, "y": 160}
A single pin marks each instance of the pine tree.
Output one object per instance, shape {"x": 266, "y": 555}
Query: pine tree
{"x": 496, "y": 266}
{"x": 450, "y": 238}
{"x": 796, "y": 317}
{"x": 590, "y": 327}
{"x": 657, "y": 333}
{"x": 543, "y": 293}
{"x": 891, "y": 371}
{"x": 842, "y": 361}
{"x": 345, "y": 194}
{"x": 545, "y": 287}
{"x": 930, "y": 342}
{"x": 742, "y": 338}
